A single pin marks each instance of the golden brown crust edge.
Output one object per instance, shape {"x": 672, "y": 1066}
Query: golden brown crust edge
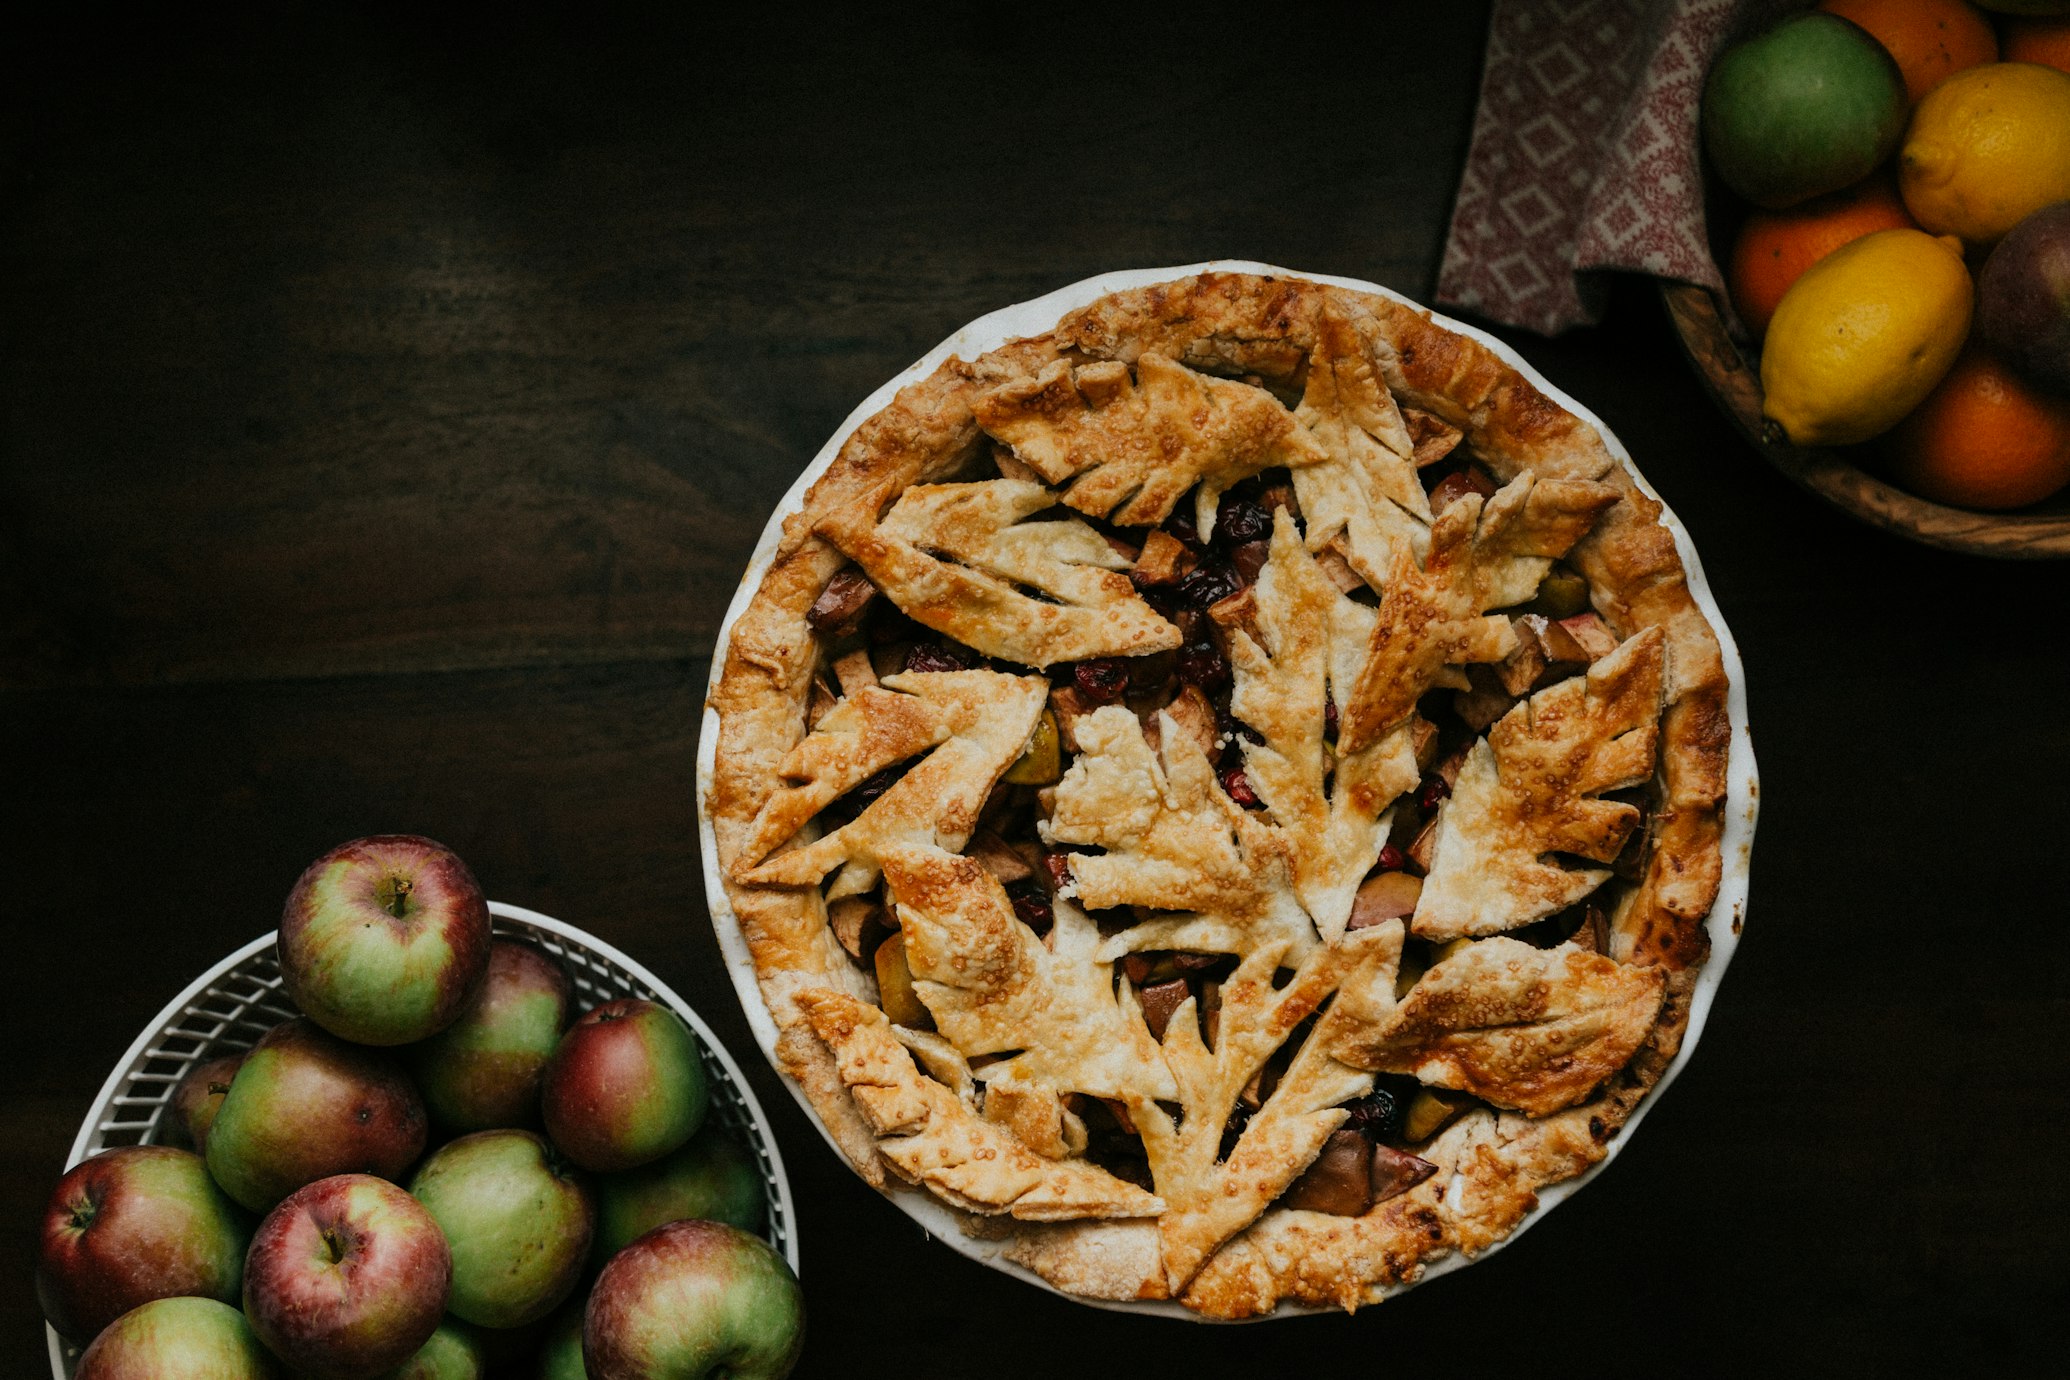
{"x": 1246, "y": 324}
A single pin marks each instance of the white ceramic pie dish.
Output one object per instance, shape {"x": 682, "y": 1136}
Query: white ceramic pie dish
{"x": 1033, "y": 318}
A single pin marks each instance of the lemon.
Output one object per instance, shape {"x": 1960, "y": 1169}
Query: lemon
{"x": 1864, "y": 335}
{"x": 1986, "y": 148}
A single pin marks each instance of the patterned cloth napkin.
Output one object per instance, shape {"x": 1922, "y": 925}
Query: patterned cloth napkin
{"x": 1584, "y": 155}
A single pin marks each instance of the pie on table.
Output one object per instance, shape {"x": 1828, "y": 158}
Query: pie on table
{"x": 1225, "y": 794}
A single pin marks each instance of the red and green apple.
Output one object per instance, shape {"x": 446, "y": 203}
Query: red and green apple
{"x": 178, "y": 1339}
{"x": 384, "y": 939}
{"x": 348, "y": 1277}
{"x": 131, "y": 1225}
{"x": 694, "y": 1299}
{"x": 625, "y": 1086}
{"x": 483, "y": 1070}
{"x": 518, "y": 1218}
{"x": 306, "y": 1105}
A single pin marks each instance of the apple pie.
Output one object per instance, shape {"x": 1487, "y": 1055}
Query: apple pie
{"x": 1225, "y": 794}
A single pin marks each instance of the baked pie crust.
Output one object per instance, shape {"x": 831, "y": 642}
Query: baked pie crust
{"x": 1232, "y": 822}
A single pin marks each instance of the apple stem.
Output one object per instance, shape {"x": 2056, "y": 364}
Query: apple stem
{"x": 399, "y": 896}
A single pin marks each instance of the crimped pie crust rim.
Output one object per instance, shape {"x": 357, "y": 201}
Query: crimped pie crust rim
{"x": 1036, "y": 317}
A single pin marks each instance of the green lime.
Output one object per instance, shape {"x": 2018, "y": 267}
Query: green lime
{"x": 1809, "y": 107}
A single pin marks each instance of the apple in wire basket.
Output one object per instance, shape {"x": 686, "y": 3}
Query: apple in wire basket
{"x": 691, "y": 1300}
{"x": 306, "y": 1104}
{"x": 483, "y": 1070}
{"x": 384, "y": 939}
{"x": 625, "y": 1087}
{"x": 131, "y": 1225}
{"x": 348, "y": 1277}
{"x": 518, "y": 1218}
{"x": 178, "y": 1339}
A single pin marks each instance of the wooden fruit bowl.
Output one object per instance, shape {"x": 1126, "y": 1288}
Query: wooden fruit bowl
{"x": 2038, "y": 533}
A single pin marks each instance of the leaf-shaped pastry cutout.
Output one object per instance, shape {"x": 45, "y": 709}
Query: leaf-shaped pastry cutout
{"x": 977, "y": 722}
{"x": 1531, "y": 1029}
{"x": 994, "y": 987}
{"x": 1174, "y": 841}
{"x": 1135, "y": 444}
{"x": 1281, "y": 691}
{"x": 1527, "y": 525}
{"x": 931, "y": 1138}
{"x": 1482, "y": 556}
{"x": 1208, "y": 1202}
{"x": 1367, "y": 492}
{"x": 960, "y": 559}
{"x": 1531, "y": 788}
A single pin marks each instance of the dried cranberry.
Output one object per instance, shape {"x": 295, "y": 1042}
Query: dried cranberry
{"x": 1057, "y": 866}
{"x": 1102, "y": 680}
{"x": 1377, "y": 1115}
{"x": 1241, "y": 522}
{"x": 1202, "y": 664}
{"x": 1392, "y": 859}
{"x": 1330, "y": 717}
{"x": 1031, "y": 904}
{"x": 1239, "y": 787}
{"x": 938, "y": 656}
{"x": 1210, "y": 584}
{"x": 1434, "y": 791}
{"x": 1180, "y": 525}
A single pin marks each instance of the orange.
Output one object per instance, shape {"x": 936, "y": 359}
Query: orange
{"x": 1929, "y": 38}
{"x": 2042, "y": 41}
{"x": 1983, "y": 439}
{"x": 1775, "y": 247}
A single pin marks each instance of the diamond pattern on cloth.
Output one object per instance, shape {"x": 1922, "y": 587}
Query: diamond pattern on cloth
{"x": 1585, "y": 156}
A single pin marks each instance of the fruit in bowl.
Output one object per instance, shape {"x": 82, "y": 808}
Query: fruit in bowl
{"x": 693, "y": 1299}
{"x": 1810, "y": 106}
{"x": 2023, "y": 298}
{"x": 453, "y": 1353}
{"x": 711, "y": 1177}
{"x": 178, "y": 1339}
{"x": 132, "y": 1225}
{"x": 305, "y": 1105}
{"x": 199, "y": 1097}
{"x": 384, "y": 939}
{"x": 347, "y": 1277}
{"x": 1861, "y": 321}
{"x": 483, "y": 1070}
{"x": 518, "y": 1219}
{"x": 1864, "y": 336}
{"x": 625, "y": 1086}
{"x": 1986, "y": 149}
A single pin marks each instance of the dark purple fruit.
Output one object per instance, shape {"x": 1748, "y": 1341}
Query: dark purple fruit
{"x": 1031, "y": 904}
{"x": 1202, "y": 664}
{"x": 938, "y": 656}
{"x": 1377, "y": 1115}
{"x": 1210, "y": 584}
{"x": 1102, "y": 680}
{"x": 1239, "y": 523}
{"x": 2023, "y": 298}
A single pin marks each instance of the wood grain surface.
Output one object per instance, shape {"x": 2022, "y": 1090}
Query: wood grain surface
{"x": 388, "y": 406}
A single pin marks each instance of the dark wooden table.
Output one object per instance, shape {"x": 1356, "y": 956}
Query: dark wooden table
{"x": 390, "y": 405}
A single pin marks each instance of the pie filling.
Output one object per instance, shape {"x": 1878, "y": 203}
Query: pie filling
{"x": 1221, "y": 791}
